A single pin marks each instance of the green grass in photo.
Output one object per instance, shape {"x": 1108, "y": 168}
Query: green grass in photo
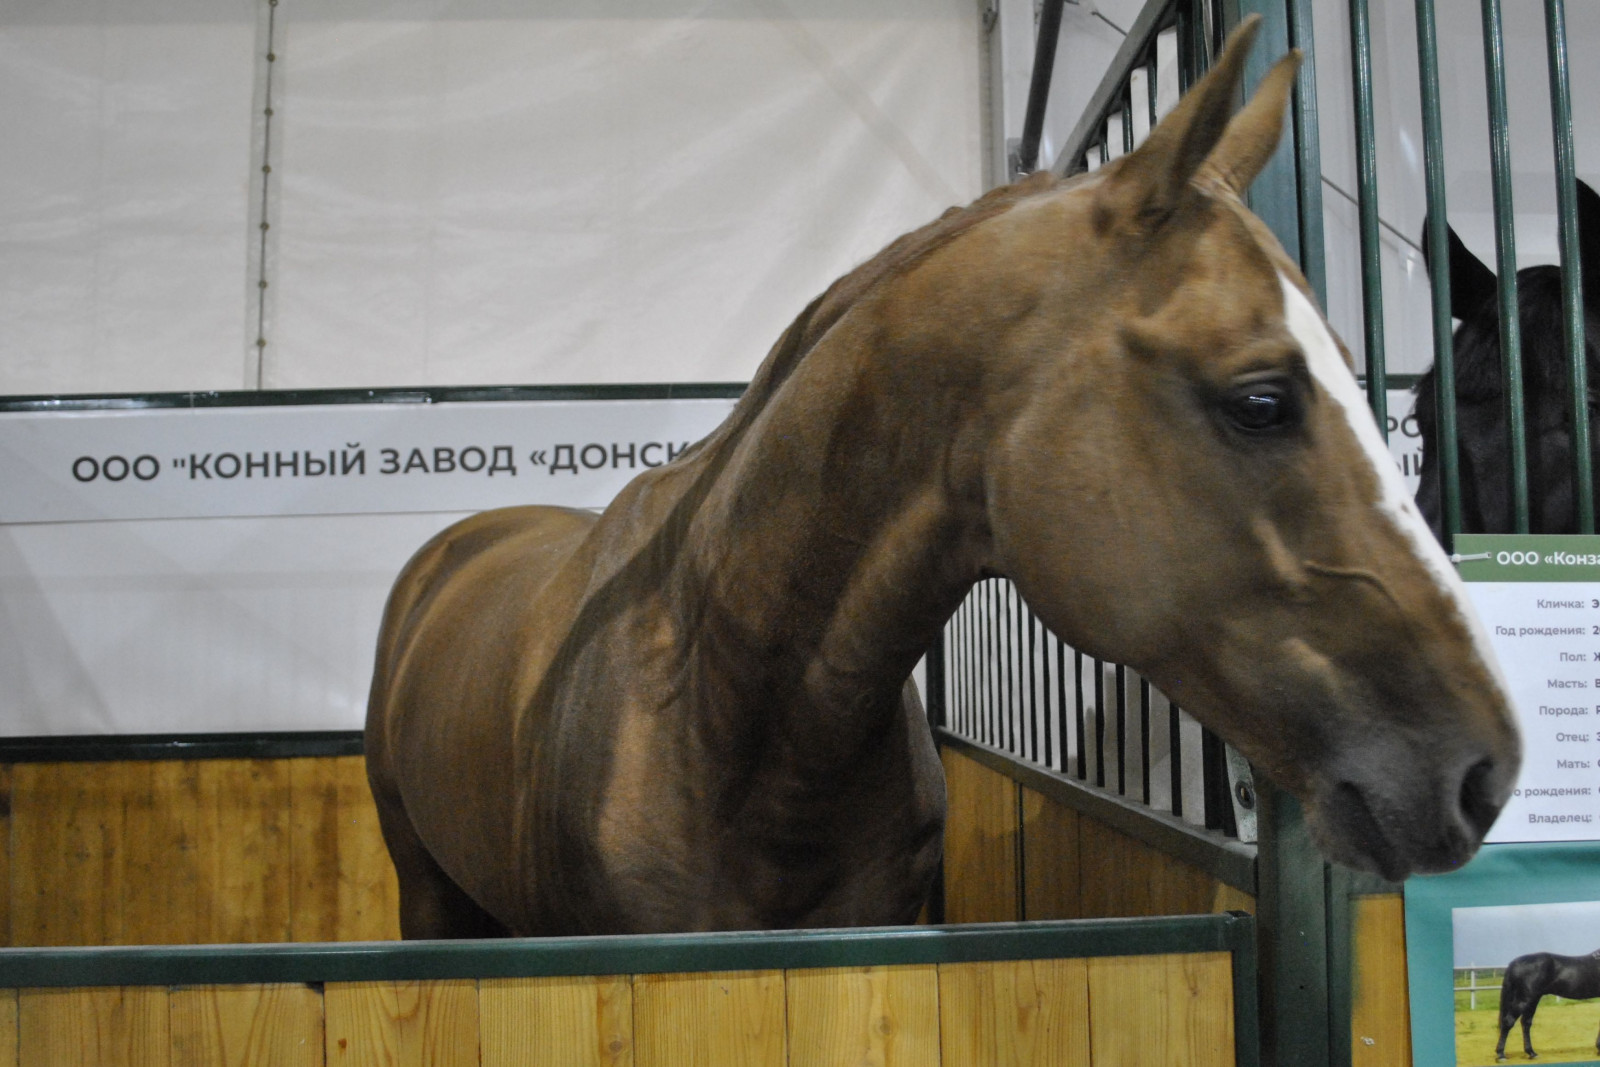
{"x": 1563, "y": 1032}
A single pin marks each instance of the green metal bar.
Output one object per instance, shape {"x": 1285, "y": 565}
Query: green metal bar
{"x": 1340, "y": 934}
{"x": 1439, "y": 269}
{"x": 1292, "y": 910}
{"x": 103, "y": 748}
{"x": 1112, "y": 91}
{"x": 1308, "y": 151}
{"x": 1226, "y": 859}
{"x": 1571, "y": 261}
{"x": 1367, "y": 206}
{"x": 1505, "y": 243}
{"x": 1246, "y": 1001}
{"x": 428, "y": 395}
{"x": 26, "y": 968}
{"x": 1276, "y": 195}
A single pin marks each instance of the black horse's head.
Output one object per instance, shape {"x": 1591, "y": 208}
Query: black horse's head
{"x": 1485, "y": 453}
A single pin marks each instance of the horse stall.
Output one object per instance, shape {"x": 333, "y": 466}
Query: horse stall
{"x": 1117, "y": 886}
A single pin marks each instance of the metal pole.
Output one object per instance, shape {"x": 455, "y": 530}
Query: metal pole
{"x": 1505, "y": 242}
{"x": 1571, "y": 261}
{"x": 1439, "y": 269}
{"x": 1044, "y": 63}
{"x": 1367, "y": 205}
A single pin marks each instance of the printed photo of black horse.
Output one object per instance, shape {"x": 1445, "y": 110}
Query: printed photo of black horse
{"x": 1532, "y": 977}
{"x": 1510, "y": 964}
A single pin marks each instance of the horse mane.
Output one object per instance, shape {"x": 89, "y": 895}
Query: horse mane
{"x": 820, "y": 316}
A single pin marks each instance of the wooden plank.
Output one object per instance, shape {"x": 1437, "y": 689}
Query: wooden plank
{"x": 1380, "y": 1023}
{"x": 243, "y": 850}
{"x": 552, "y": 1022}
{"x": 727, "y": 1019}
{"x": 846, "y": 1016}
{"x": 1050, "y": 860}
{"x": 402, "y": 1024}
{"x": 8, "y": 1028}
{"x": 63, "y": 828}
{"x": 1124, "y": 877}
{"x": 246, "y": 1026}
{"x": 93, "y": 1027}
{"x": 343, "y": 885}
{"x": 1173, "y": 1010}
{"x": 1014, "y": 1013}
{"x": 5, "y": 863}
{"x": 980, "y": 843}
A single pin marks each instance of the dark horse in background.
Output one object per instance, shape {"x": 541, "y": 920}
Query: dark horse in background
{"x": 1531, "y": 977}
{"x": 1480, "y": 408}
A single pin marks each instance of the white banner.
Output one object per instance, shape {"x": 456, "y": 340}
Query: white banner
{"x": 225, "y": 569}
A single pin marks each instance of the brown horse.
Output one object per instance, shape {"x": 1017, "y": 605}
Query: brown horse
{"x": 692, "y": 712}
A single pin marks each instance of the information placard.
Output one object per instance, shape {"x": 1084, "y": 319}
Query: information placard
{"x": 1539, "y": 598}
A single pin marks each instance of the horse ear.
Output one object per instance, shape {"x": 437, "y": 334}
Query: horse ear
{"x": 1253, "y": 135}
{"x": 1148, "y": 185}
{"x": 1589, "y": 245}
{"x": 1472, "y": 284}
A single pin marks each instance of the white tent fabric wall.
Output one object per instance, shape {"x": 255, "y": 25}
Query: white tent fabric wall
{"x": 470, "y": 192}
{"x": 123, "y": 194}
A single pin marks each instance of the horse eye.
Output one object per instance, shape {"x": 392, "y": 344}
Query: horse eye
{"x": 1262, "y": 408}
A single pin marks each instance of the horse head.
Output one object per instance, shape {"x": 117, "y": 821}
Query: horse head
{"x": 1485, "y": 454}
{"x": 1179, "y": 472}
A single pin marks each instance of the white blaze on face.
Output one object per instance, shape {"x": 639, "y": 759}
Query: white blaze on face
{"x": 1327, "y": 365}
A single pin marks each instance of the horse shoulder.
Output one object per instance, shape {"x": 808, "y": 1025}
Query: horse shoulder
{"x": 472, "y": 616}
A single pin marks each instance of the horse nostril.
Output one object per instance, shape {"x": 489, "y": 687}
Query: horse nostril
{"x": 1478, "y": 804}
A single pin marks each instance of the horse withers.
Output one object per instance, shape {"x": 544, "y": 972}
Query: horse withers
{"x": 692, "y": 711}
{"x": 1539, "y": 974}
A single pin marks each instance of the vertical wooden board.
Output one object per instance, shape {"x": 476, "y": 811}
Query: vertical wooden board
{"x": 159, "y": 901}
{"x": 556, "y": 1022}
{"x": 243, "y": 850}
{"x": 402, "y": 1024}
{"x": 1174, "y": 1010}
{"x": 727, "y": 1019}
{"x": 344, "y": 887}
{"x": 980, "y": 843}
{"x": 1051, "y": 868}
{"x": 8, "y": 1028}
{"x": 66, "y": 821}
{"x": 5, "y": 862}
{"x": 1123, "y": 877}
{"x": 1380, "y": 1023}
{"x": 847, "y": 1016}
{"x": 124, "y": 1027}
{"x": 1014, "y": 1013}
{"x": 246, "y": 1026}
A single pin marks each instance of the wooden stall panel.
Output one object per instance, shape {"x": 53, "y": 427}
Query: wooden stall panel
{"x": 848, "y": 1016}
{"x": 1052, "y": 868}
{"x": 401, "y": 1024}
{"x": 557, "y": 1022}
{"x": 1023, "y": 1013}
{"x": 1172, "y": 1010}
{"x": 1125, "y": 878}
{"x": 246, "y": 1026}
{"x": 1380, "y": 1024}
{"x": 344, "y": 887}
{"x": 727, "y": 1019}
{"x": 980, "y": 844}
{"x": 110, "y": 1027}
{"x": 5, "y": 862}
{"x": 8, "y": 1028}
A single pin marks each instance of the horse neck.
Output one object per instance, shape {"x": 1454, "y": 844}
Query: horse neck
{"x": 832, "y": 549}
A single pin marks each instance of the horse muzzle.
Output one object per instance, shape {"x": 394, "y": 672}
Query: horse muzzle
{"x": 1401, "y": 820}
